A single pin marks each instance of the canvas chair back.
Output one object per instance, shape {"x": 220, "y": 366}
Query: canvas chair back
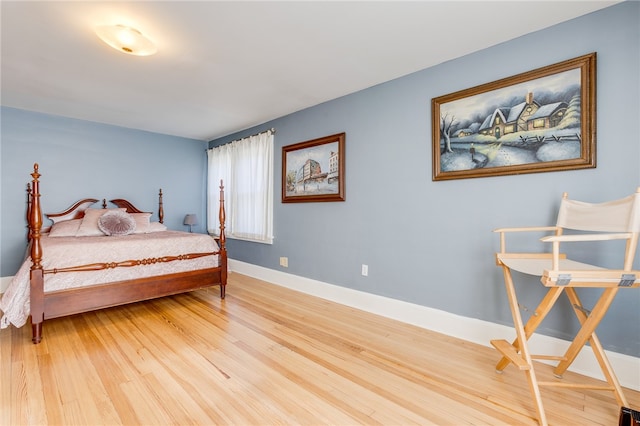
{"x": 621, "y": 215}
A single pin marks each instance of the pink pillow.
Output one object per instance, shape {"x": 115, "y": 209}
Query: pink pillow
{"x": 116, "y": 223}
{"x": 89, "y": 225}
{"x": 66, "y": 228}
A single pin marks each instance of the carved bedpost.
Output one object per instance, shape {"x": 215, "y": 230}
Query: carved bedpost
{"x": 160, "y": 207}
{"x": 36, "y": 274}
{"x": 223, "y": 239}
{"x": 28, "y": 217}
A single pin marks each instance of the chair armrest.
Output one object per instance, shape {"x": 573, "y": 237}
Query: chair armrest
{"x": 555, "y": 240}
{"x": 504, "y": 231}
{"x": 527, "y": 229}
{"x": 586, "y": 237}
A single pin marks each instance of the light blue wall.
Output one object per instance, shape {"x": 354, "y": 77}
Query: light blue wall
{"x": 431, "y": 243}
{"x": 425, "y": 242}
{"x": 80, "y": 159}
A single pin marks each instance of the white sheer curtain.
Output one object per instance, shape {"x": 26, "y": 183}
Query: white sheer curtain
{"x": 246, "y": 168}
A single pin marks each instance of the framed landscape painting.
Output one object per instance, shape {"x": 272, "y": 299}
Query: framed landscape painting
{"x": 539, "y": 121}
{"x": 313, "y": 171}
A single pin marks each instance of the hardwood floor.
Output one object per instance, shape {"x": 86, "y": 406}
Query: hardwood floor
{"x": 267, "y": 355}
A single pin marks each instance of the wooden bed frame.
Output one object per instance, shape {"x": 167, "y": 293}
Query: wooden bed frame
{"x": 77, "y": 300}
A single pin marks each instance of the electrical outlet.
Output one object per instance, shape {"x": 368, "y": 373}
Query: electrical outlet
{"x": 365, "y": 270}
{"x": 284, "y": 262}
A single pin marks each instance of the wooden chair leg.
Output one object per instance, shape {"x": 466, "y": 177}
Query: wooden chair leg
{"x": 588, "y": 327}
{"x": 521, "y": 340}
{"x": 534, "y": 321}
{"x": 598, "y": 350}
{"x": 588, "y": 321}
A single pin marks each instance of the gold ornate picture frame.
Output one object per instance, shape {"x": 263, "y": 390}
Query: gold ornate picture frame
{"x": 538, "y": 121}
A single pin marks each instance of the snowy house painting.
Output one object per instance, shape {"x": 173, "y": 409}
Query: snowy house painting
{"x": 528, "y": 115}
{"x": 542, "y": 120}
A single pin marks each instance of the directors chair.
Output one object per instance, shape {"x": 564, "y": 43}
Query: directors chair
{"x": 589, "y": 224}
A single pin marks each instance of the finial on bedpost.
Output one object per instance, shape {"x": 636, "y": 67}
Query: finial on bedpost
{"x": 565, "y": 195}
{"x": 160, "y": 207}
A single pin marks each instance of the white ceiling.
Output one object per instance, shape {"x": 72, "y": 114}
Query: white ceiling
{"x": 226, "y": 66}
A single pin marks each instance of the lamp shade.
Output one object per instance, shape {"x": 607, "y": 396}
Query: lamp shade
{"x": 191, "y": 219}
{"x": 126, "y": 40}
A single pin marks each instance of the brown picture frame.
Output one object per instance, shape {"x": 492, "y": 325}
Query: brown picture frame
{"x": 313, "y": 171}
{"x": 538, "y": 121}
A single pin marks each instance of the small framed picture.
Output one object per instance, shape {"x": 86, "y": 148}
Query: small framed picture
{"x": 313, "y": 171}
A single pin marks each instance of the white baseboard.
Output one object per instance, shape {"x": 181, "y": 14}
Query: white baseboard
{"x": 627, "y": 368}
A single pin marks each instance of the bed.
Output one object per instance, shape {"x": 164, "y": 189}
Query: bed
{"x": 73, "y": 267}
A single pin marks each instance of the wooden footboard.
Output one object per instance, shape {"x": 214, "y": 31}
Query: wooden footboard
{"x": 77, "y": 300}
{"x": 68, "y": 302}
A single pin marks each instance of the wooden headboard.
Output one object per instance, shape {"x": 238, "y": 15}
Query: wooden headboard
{"x": 76, "y": 211}
{"x": 122, "y": 203}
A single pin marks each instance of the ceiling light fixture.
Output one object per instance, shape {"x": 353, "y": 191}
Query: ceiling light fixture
{"x": 126, "y": 39}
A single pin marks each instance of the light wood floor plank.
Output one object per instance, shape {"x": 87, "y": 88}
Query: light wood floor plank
{"x": 267, "y": 355}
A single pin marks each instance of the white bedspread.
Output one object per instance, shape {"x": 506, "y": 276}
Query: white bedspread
{"x": 60, "y": 252}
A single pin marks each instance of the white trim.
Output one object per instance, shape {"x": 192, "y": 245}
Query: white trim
{"x": 627, "y": 367}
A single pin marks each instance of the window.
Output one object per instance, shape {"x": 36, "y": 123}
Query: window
{"x": 246, "y": 168}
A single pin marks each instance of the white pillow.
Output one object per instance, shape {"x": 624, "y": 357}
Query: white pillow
{"x": 66, "y": 228}
{"x": 89, "y": 225}
{"x": 142, "y": 222}
{"x": 157, "y": 227}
